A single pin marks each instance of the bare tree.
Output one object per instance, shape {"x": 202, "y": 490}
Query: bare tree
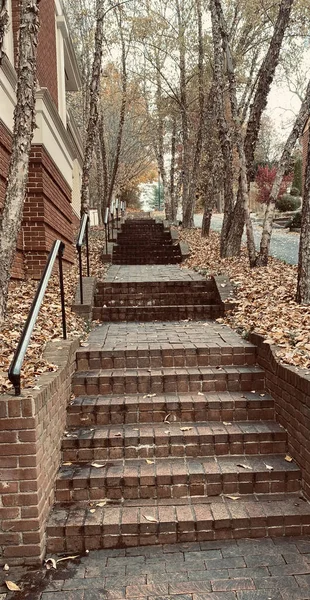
{"x": 219, "y": 29}
{"x": 303, "y": 280}
{"x": 232, "y": 239}
{"x": 93, "y": 107}
{"x": 24, "y": 122}
{"x": 283, "y": 165}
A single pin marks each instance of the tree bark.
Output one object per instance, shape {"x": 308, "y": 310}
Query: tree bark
{"x": 93, "y": 107}
{"x": 192, "y": 189}
{"x": 262, "y": 259}
{"x": 122, "y": 113}
{"x": 264, "y": 80}
{"x": 172, "y": 186}
{"x": 24, "y": 122}
{"x": 219, "y": 29}
{"x": 303, "y": 277}
{"x": 225, "y": 139}
{"x": 4, "y": 19}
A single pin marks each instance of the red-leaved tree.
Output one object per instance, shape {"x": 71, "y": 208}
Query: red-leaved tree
{"x": 264, "y": 179}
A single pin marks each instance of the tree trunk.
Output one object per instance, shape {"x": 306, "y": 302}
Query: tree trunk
{"x": 192, "y": 189}
{"x": 219, "y": 29}
{"x": 4, "y": 19}
{"x": 172, "y": 186}
{"x": 264, "y": 80}
{"x": 303, "y": 278}
{"x": 122, "y": 113}
{"x": 262, "y": 259}
{"x": 24, "y": 122}
{"x": 93, "y": 107}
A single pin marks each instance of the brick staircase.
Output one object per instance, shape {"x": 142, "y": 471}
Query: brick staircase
{"x": 171, "y": 435}
{"x": 145, "y": 241}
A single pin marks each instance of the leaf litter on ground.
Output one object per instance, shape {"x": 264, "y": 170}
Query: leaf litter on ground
{"x": 264, "y": 296}
{"x": 48, "y": 326}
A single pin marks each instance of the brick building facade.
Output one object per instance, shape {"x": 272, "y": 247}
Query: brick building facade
{"x": 52, "y": 201}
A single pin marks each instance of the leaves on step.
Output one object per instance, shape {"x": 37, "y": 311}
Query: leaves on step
{"x": 288, "y": 458}
{"x": 150, "y": 518}
{"x": 98, "y": 465}
{"x": 269, "y": 467}
{"x": 185, "y": 428}
{"x": 231, "y": 497}
{"x": 13, "y": 587}
{"x": 244, "y": 466}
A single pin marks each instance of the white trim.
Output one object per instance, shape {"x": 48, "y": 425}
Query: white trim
{"x": 8, "y": 81}
{"x": 52, "y": 134}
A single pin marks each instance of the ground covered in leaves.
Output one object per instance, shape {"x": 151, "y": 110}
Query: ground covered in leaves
{"x": 49, "y": 325}
{"x": 265, "y": 297}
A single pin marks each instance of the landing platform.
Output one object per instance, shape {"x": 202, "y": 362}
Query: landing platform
{"x": 143, "y": 273}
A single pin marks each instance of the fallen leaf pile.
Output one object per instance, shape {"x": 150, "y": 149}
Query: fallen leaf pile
{"x": 265, "y": 297}
{"x": 49, "y": 325}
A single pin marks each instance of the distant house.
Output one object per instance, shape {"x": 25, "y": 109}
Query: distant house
{"x": 305, "y": 143}
{"x": 52, "y": 203}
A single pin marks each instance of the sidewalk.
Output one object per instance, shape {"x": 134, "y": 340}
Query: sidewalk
{"x": 266, "y": 569}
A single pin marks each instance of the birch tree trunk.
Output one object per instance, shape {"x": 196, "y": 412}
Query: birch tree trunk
{"x": 93, "y": 107}
{"x": 4, "y": 19}
{"x": 219, "y": 30}
{"x": 303, "y": 278}
{"x": 24, "y": 122}
{"x": 262, "y": 259}
{"x": 225, "y": 136}
{"x": 264, "y": 80}
{"x": 188, "y": 216}
{"x": 122, "y": 112}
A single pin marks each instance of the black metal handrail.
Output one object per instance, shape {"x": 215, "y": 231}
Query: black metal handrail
{"x": 83, "y": 233}
{"x": 17, "y": 362}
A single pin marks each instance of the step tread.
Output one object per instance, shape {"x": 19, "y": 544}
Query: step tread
{"x": 177, "y": 467}
{"x": 187, "y": 514}
{"x": 174, "y": 371}
{"x": 214, "y": 400}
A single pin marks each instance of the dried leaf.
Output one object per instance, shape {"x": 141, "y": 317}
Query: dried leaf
{"x": 92, "y": 510}
{"x": 232, "y": 497}
{"x": 166, "y": 418}
{"x": 149, "y": 462}
{"x": 67, "y": 558}
{"x": 102, "y": 503}
{"x": 201, "y": 394}
{"x": 185, "y": 428}
{"x": 150, "y": 518}
{"x": 118, "y": 434}
{"x": 269, "y": 467}
{"x": 6, "y": 567}
{"x": 98, "y": 465}
{"x": 226, "y": 423}
{"x": 12, "y": 586}
{"x": 50, "y": 563}
{"x": 66, "y": 464}
{"x": 288, "y": 458}
{"x": 243, "y": 466}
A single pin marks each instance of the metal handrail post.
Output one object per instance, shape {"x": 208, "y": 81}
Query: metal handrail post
{"x": 79, "y": 249}
{"x": 87, "y": 247}
{"x": 62, "y": 292}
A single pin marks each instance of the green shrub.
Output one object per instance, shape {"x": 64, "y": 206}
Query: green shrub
{"x": 295, "y": 222}
{"x": 287, "y": 203}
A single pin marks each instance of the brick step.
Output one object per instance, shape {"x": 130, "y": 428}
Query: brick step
{"x": 159, "y": 287}
{"x": 134, "y": 358}
{"x": 175, "y": 260}
{"x": 225, "y": 406}
{"x": 186, "y": 379}
{"x": 173, "y": 439}
{"x": 157, "y": 253}
{"x": 177, "y": 477}
{"x": 159, "y": 299}
{"x": 74, "y": 529}
{"x": 158, "y": 313}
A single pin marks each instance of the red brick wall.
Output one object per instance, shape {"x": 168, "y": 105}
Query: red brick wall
{"x": 291, "y": 392}
{"x": 31, "y": 429}
{"x": 47, "y": 213}
{"x": 47, "y": 55}
{"x": 5, "y": 150}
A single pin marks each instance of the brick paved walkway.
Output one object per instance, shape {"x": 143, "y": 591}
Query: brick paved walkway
{"x": 267, "y": 569}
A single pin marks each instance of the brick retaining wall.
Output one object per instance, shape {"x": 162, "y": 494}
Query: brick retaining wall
{"x": 32, "y": 427}
{"x": 291, "y": 392}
